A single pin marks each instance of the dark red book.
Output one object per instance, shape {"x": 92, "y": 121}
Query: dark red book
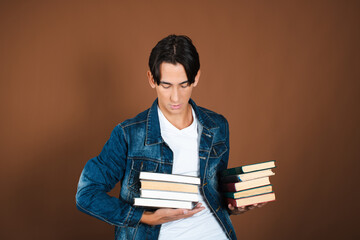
{"x": 238, "y": 186}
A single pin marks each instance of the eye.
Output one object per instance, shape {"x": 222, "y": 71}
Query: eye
{"x": 166, "y": 86}
{"x": 185, "y": 85}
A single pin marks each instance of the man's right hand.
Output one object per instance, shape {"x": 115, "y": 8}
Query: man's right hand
{"x": 164, "y": 215}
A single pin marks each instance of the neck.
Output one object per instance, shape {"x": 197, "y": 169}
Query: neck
{"x": 180, "y": 121}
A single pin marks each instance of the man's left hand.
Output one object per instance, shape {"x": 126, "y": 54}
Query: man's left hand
{"x": 242, "y": 209}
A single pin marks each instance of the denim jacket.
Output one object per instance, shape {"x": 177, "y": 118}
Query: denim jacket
{"x": 136, "y": 145}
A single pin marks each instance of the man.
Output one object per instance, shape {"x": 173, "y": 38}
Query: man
{"x": 173, "y": 136}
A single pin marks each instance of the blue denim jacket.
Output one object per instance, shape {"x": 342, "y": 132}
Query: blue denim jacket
{"x": 136, "y": 145}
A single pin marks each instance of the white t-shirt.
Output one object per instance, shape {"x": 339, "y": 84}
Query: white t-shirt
{"x": 184, "y": 144}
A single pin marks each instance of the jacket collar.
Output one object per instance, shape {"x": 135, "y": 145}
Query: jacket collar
{"x": 153, "y": 133}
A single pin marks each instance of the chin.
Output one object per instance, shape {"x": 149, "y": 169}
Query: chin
{"x": 170, "y": 109}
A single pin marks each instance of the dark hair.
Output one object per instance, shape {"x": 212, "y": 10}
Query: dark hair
{"x": 175, "y": 49}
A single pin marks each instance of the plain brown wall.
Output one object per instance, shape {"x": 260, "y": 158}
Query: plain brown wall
{"x": 284, "y": 73}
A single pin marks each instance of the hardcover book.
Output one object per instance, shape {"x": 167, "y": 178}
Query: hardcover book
{"x": 163, "y": 203}
{"x": 169, "y": 178}
{"x": 251, "y": 200}
{"x": 182, "y": 196}
{"x": 249, "y": 168}
{"x": 249, "y": 192}
{"x": 160, "y": 190}
{"x": 238, "y": 186}
{"x": 169, "y": 186}
{"x": 247, "y": 176}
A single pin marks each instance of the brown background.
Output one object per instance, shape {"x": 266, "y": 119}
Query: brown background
{"x": 284, "y": 73}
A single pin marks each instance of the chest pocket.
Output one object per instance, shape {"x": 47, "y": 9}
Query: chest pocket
{"x": 137, "y": 166}
{"x": 218, "y": 150}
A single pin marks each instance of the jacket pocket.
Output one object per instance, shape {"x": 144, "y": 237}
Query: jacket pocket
{"x": 137, "y": 166}
{"x": 218, "y": 149}
{"x": 216, "y": 152}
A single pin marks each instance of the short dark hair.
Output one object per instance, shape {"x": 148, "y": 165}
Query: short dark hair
{"x": 175, "y": 49}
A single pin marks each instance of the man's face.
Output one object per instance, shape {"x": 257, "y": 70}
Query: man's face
{"x": 174, "y": 90}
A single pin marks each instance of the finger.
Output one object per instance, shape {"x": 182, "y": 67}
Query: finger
{"x": 238, "y": 211}
{"x": 193, "y": 211}
{"x": 242, "y": 207}
{"x": 190, "y": 211}
{"x": 231, "y": 207}
{"x": 259, "y": 205}
{"x": 198, "y": 205}
{"x": 179, "y": 211}
{"x": 182, "y": 211}
{"x": 262, "y": 204}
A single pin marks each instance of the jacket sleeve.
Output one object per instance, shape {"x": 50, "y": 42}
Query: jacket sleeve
{"x": 225, "y": 158}
{"x": 99, "y": 176}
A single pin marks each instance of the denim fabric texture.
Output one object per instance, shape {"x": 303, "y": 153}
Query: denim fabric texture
{"x": 136, "y": 145}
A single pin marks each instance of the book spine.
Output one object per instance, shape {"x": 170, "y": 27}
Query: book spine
{"x": 231, "y": 179}
{"x": 169, "y": 178}
{"x": 231, "y": 201}
{"x": 229, "y": 194}
{"x": 262, "y": 198}
{"x": 246, "y": 169}
{"x": 232, "y": 171}
{"x": 228, "y": 187}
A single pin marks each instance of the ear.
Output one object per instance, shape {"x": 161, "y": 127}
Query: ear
{"x": 197, "y": 78}
{"x": 151, "y": 79}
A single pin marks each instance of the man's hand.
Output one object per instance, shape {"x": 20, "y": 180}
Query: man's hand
{"x": 164, "y": 215}
{"x": 240, "y": 210}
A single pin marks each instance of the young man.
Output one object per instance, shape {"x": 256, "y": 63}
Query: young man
{"x": 173, "y": 136}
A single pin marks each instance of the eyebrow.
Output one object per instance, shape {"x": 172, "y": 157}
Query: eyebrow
{"x": 163, "y": 82}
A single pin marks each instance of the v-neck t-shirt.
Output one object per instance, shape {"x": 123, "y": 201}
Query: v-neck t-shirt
{"x": 184, "y": 144}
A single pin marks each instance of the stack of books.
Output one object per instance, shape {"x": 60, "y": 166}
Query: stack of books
{"x": 248, "y": 184}
{"x": 160, "y": 190}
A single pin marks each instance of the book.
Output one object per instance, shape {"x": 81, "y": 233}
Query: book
{"x": 238, "y": 186}
{"x": 169, "y": 178}
{"x": 249, "y": 192}
{"x": 169, "y": 186}
{"x": 249, "y": 168}
{"x": 247, "y": 176}
{"x": 251, "y": 200}
{"x": 163, "y": 203}
{"x": 182, "y": 196}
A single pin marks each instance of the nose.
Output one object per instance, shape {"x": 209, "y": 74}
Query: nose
{"x": 174, "y": 97}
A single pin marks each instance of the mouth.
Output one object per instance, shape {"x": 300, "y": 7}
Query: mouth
{"x": 175, "y": 107}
